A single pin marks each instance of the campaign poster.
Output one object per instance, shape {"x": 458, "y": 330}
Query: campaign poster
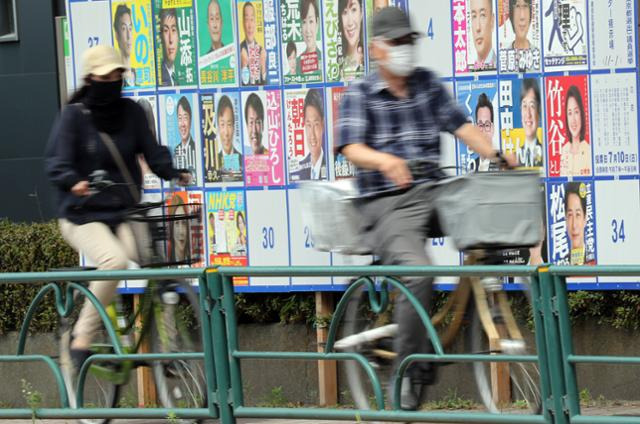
{"x": 227, "y": 229}
{"x": 301, "y": 41}
{"x": 474, "y": 35}
{"x": 178, "y": 131}
{"x": 519, "y": 36}
{"x": 217, "y": 55}
{"x": 480, "y": 100}
{"x": 572, "y": 223}
{"x": 149, "y": 105}
{"x": 262, "y": 135}
{"x": 565, "y": 34}
{"x": 175, "y": 43}
{"x": 613, "y": 36}
{"x": 305, "y": 132}
{"x": 344, "y": 43}
{"x": 257, "y": 30}
{"x": 521, "y": 112}
{"x": 568, "y": 117}
{"x": 185, "y": 244}
{"x": 342, "y": 168}
{"x": 223, "y": 159}
{"x": 90, "y": 26}
{"x": 133, "y": 39}
{"x": 432, "y": 19}
{"x": 615, "y": 124}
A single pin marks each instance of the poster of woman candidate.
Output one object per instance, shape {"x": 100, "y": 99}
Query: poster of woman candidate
{"x": 612, "y": 41}
{"x": 480, "y": 100}
{"x": 262, "y": 135}
{"x": 572, "y": 236}
{"x": 565, "y": 34}
{"x": 178, "y": 123}
{"x": 474, "y": 35}
{"x": 175, "y": 43}
{"x": 615, "y": 124}
{"x": 258, "y": 50}
{"x": 305, "y": 132}
{"x": 186, "y": 236}
{"x": 133, "y": 38}
{"x": 519, "y": 33}
{"x": 223, "y": 158}
{"x": 521, "y": 112}
{"x": 301, "y": 41}
{"x": 217, "y": 55}
{"x": 344, "y": 39}
{"x": 568, "y": 117}
{"x": 226, "y": 219}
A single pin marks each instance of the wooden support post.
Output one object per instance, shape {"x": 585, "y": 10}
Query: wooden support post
{"x": 500, "y": 380}
{"x": 327, "y": 370}
{"x": 144, "y": 376}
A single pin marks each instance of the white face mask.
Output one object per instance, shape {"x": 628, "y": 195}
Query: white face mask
{"x": 400, "y": 59}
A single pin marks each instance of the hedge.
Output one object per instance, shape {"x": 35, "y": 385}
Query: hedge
{"x": 39, "y": 247}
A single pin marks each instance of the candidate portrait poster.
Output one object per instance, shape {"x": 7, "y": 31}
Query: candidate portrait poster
{"x": 178, "y": 131}
{"x": 133, "y": 39}
{"x": 217, "y": 55}
{"x": 519, "y": 36}
{"x": 479, "y": 99}
{"x": 342, "y": 168}
{"x": 612, "y": 38}
{"x": 262, "y": 135}
{"x": 474, "y": 35}
{"x": 302, "y": 55}
{"x": 226, "y": 218}
{"x": 305, "y": 132}
{"x": 572, "y": 229}
{"x": 521, "y": 112}
{"x": 565, "y": 34}
{"x": 615, "y": 124}
{"x": 175, "y": 43}
{"x": 258, "y": 52}
{"x": 149, "y": 104}
{"x": 220, "y": 125}
{"x": 344, "y": 42}
{"x": 186, "y": 236}
{"x": 568, "y": 133}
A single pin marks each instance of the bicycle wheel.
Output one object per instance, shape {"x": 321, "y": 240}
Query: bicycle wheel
{"x": 176, "y": 328}
{"x": 506, "y": 338}
{"x": 101, "y": 389}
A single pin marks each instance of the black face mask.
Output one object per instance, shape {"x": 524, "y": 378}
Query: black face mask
{"x": 104, "y": 93}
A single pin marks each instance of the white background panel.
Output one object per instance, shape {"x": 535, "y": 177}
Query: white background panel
{"x": 302, "y": 251}
{"x": 433, "y": 20}
{"x": 268, "y": 233}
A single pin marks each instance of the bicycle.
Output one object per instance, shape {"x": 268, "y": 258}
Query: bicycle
{"x": 477, "y": 305}
{"x": 167, "y": 319}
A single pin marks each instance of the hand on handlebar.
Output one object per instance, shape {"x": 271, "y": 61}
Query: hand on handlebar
{"x": 81, "y": 189}
{"x": 510, "y": 160}
{"x": 396, "y": 170}
{"x": 184, "y": 178}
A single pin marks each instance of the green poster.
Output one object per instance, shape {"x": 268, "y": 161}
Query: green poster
{"x": 217, "y": 54}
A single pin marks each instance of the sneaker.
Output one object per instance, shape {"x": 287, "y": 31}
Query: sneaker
{"x": 409, "y": 394}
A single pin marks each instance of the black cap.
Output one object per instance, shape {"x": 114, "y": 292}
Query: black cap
{"x": 392, "y": 23}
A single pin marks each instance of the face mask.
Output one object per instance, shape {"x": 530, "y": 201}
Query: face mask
{"x": 400, "y": 59}
{"x": 104, "y": 93}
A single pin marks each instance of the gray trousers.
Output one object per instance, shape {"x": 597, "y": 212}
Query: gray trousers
{"x": 396, "y": 227}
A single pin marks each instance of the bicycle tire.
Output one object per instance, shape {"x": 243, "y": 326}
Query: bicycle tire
{"x": 98, "y": 392}
{"x": 179, "y": 383}
{"x": 524, "y": 377}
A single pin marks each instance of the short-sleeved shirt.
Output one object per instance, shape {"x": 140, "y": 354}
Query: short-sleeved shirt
{"x": 406, "y": 127}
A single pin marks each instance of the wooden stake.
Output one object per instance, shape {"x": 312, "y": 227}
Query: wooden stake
{"x": 327, "y": 370}
{"x": 144, "y": 376}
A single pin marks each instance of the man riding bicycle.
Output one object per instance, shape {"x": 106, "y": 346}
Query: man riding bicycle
{"x": 391, "y": 116}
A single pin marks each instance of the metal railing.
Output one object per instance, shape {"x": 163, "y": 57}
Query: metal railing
{"x": 222, "y": 357}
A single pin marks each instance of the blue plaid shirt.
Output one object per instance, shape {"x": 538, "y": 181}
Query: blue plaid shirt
{"x": 409, "y": 128}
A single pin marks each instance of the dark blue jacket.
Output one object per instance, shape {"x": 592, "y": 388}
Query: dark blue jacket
{"x": 75, "y": 150}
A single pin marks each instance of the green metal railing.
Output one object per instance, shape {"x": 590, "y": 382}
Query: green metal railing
{"x": 222, "y": 357}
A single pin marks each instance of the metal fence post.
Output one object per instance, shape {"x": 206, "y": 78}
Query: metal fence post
{"x": 552, "y": 341}
{"x": 206, "y": 305}
{"x": 220, "y": 350}
{"x": 228, "y": 303}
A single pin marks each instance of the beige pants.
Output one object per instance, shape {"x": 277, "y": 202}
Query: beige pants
{"x": 108, "y": 251}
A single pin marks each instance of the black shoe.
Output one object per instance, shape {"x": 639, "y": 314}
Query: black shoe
{"x": 410, "y": 394}
{"x": 78, "y": 356}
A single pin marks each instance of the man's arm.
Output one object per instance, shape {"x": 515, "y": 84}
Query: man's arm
{"x": 392, "y": 167}
{"x": 480, "y": 143}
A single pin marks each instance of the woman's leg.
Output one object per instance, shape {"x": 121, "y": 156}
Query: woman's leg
{"x": 108, "y": 251}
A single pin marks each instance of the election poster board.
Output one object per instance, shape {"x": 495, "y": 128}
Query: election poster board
{"x": 246, "y": 95}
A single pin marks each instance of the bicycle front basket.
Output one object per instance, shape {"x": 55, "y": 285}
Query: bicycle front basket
{"x": 492, "y": 209}
{"x": 328, "y": 211}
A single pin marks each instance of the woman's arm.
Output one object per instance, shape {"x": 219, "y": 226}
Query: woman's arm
{"x": 61, "y": 150}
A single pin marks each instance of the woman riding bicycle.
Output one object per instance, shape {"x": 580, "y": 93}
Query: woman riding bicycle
{"x": 99, "y": 135}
